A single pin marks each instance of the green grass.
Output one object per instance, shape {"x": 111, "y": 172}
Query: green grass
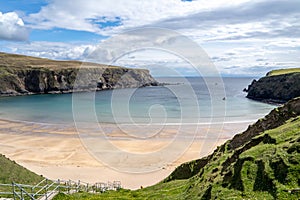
{"x": 171, "y": 190}
{"x": 11, "y": 171}
{"x": 21, "y": 62}
{"x": 283, "y": 71}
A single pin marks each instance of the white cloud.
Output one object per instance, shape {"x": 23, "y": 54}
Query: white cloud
{"x": 253, "y": 57}
{"x": 256, "y": 19}
{"x": 89, "y": 15}
{"x": 51, "y": 50}
{"x": 242, "y": 36}
{"x": 12, "y": 27}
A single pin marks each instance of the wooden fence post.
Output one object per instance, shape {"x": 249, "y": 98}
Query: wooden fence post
{"x": 78, "y": 186}
{"x": 13, "y": 188}
{"x": 46, "y": 196}
{"x": 58, "y": 185}
{"x": 21, "y": 192}
{"x": 69, "y": 188}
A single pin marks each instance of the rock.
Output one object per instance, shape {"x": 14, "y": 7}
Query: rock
{"x": 275, "y": 89}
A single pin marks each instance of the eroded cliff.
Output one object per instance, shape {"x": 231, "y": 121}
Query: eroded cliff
{"x": 275, "y": 88}
{"x": 21, "y": 75}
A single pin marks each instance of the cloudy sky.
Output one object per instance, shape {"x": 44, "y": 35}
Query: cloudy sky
{"x": 241, "y": 37}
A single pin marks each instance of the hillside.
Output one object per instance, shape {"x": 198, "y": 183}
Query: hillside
{"x": 282, "y": 71}
{"x": 261, "y": 163}
{"x": 277, "y": 86}
{"x": 20, "y": 75}
{"x": 10, "y": 171}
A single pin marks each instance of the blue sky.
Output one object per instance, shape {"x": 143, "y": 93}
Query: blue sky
{"x": 241, "y": 37}
{"x": 63, "y": 35}
{"x": 24, "y": 6}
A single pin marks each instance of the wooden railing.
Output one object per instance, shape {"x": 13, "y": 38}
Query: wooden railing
{"x": 46, "y": 189}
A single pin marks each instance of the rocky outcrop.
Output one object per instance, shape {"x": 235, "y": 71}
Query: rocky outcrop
{"x": 28, "y": 75}
{"x": 276, "y": 89}
{"x": 274, "y": 119}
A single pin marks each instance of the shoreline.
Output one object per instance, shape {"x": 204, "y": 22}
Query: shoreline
{"x": 57, "y": 152}
{"x": 275, "y": 102}
{"x": 143, "y": 124}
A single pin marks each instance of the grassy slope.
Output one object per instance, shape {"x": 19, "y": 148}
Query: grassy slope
{"x": 10, "y": 171}
{"x": 10, "y": 62}
{"x": 16, "y": 61}
{"x": 268, "y": 167}
{"x": 283, "y": 71}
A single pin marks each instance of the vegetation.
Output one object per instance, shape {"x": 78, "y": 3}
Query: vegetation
{"x": 265, "y": 167}
{"x": 10, "y": 172}
{"x": 283, "y": 71}
{"x": 15, "y": 61}
{"x": 171, "y": 190}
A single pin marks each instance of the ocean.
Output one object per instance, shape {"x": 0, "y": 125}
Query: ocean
{"x": 191, "y": 100}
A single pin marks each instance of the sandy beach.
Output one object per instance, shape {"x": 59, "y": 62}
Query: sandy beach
{"x": 61, "y": 152}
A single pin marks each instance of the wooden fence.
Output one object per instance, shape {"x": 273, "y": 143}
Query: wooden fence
{"x": 47, "y": 189}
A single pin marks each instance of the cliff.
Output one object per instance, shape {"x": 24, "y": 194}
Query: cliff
{"x": 21, "y": 75}
{"x": 278, "y": 86}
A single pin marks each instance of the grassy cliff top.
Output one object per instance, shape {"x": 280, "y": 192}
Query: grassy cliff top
{"x": 283, "y": 71}
{"x": 23, "y": 62}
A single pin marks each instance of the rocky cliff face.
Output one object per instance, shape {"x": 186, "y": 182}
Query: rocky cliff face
{"x": 278, "y": 89}
{"x": 274, "y": 119}
{"x": 21, "y": 75}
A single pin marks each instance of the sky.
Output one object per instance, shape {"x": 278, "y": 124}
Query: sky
{"x": 240, "y": 37}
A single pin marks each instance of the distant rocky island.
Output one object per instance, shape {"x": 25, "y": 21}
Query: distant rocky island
{"x": 278, "y": 86}
{"x": 23, "y": 75}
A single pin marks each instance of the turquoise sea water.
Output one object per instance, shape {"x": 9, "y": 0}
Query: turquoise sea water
{"x": 190, "y": 100}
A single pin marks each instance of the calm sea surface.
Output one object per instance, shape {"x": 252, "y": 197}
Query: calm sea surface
{"x": 188, "y": 100}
